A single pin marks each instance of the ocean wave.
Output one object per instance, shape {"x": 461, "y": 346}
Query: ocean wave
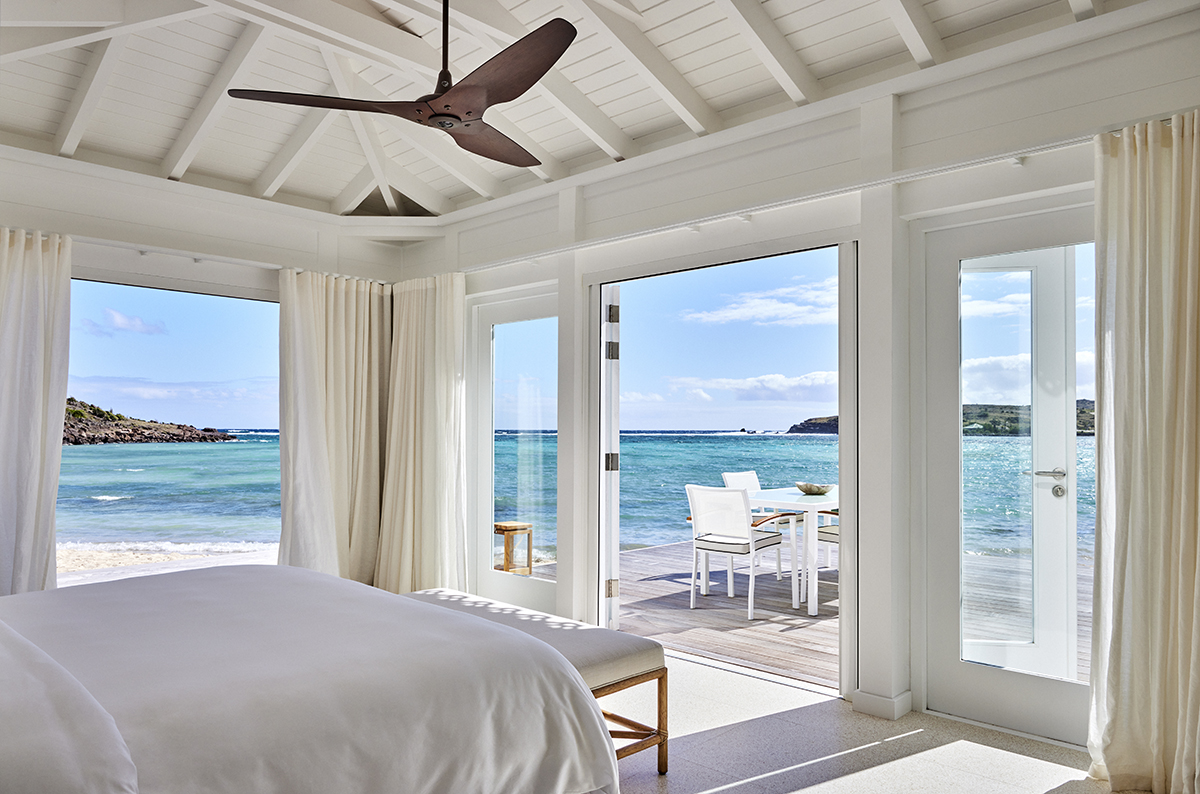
{"x": 109, "y": 498}
{"x": 168, "y": 547}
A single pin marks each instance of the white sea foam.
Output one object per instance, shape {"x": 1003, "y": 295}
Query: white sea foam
{"x": 109, "y": 498}
{"x": 167, "y": 547}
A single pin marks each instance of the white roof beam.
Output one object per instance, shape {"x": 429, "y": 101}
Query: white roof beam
{"x": 241, "y": 59}
{"x": 316, "y": 122}
{"x": 1086, "y": 9}
{"x": 364, "y": 130}
{"x": 355, "y": 192}
{"x": 20, "y": 43}
{"x": 431, "y": 143}
{"x": 87, "y": 95}
{"x": 491, "y": 24}
{"x": 62, "y": 13}
{"x": 916, "y": 28}
{"x": 624, "y": 36}
{"x": 773, "y": 49}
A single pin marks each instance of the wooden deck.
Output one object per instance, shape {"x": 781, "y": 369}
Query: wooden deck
{"x": 654, "y": 603}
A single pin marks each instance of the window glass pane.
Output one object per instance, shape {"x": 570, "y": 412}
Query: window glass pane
{"x": 525, "y": 446}
{"x": 997, "y": 527}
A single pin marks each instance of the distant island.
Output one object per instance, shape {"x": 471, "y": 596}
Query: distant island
{"x": 979, "y": 420}
{"x": 90, "y": 424}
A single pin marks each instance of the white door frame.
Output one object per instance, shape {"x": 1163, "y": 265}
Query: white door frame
{"x": 1037, "y": 705}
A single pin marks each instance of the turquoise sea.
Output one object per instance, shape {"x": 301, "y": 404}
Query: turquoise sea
{"x": 225, "y": 496}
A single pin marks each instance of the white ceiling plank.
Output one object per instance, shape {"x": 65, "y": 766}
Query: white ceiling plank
{"x": 364, "y": 130}
{"x": 916, "y": 28}
{"x": 19, "y": 43}
{"x": 207, "y": 113}
{"x": 626, "y": 37}
{"x": 355, "y": 192}
{"x": 1086, "y": 9}
{"x": 360, "y": 32}
{"x": 767, "y": 41}
{"x": 435, "y": 145}
{"x": 492, "y": 24}
{"x": 551, "y": 167}
{"x": 62, "y": 13}
{"x": 298, "y": 145}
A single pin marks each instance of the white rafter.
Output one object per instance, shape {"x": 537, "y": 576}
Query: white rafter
{"x": 207, "y": 113}
{"x": 364, "y": 130}
{"x": 62, "y": 13}
{"x": 437, "y": 146}
{"x": 19, "y": 43}
{"x": 772, "y": 48}
{"x": 294, "y": 150}
{"x": 87, "y": 95}
{"x": 1086, "y": 9}
{"x": 662, "y": 76}
{"x": 493, "y": 25}
{"x": 916, "y": 28}
{"x": 355, "y": 192}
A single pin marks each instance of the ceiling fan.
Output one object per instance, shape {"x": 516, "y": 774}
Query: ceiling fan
{"x": 458, "y": 108}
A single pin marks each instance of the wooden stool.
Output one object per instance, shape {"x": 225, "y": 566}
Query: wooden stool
{"x": 510, "y": 529}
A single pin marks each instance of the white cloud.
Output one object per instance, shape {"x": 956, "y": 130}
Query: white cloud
{"x": 815, "y": 386}
{"x": 999, "y": 380}
{"x": 250, "y": 402}
{"x": 700, "y": 394}
{"x": 1017, "y": 303}
{"x": 638, "y": 397}
{"x": 800, "y": 304}
{"x": 123, "y": 322}
{"x": 1085, "y": 375}
{"x": 116, "y": 321}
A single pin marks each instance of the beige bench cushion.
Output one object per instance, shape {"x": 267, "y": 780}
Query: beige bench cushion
{"x": 602, "y": 656}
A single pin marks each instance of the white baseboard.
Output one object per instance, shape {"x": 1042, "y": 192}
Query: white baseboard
{"x": 890, "y": 708}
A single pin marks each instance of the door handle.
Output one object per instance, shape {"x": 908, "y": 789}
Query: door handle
{"x": 1057, "y": 473}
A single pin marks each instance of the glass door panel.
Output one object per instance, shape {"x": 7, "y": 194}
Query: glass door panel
{"x": 525, "y": 448}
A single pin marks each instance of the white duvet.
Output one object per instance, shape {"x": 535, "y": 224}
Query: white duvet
{"x": 254, "y": 679}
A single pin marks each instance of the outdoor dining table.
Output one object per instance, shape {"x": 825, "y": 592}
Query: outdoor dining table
{"x": 791, "y": 500}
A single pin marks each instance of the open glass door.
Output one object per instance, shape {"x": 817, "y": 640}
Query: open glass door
{"x": 1003, "y": 568}
{"x": 514, "y": 408}
{"x": 610, "y": 454}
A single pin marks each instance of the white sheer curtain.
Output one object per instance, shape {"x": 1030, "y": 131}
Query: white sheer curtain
{"x": 422, "y": 539}
{"x": 372, "y": 408}
{"x": 334, "y": 349}
{"x": 35, "y": 323}
{"x": 1146, "y": 636}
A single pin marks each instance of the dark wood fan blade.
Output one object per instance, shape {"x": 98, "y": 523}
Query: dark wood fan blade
{"x": 487, "y": 141}
{"x": 512, "y": 71}
{"x": 404, "y": 109}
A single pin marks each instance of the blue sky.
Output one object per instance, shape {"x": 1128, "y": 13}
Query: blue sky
{"x": 751, "y": 344}
{"x": 175, "y": 357}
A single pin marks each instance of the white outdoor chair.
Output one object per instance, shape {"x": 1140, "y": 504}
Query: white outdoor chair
{"x": 722, "y": 523}
{"x": 747, "y": 481}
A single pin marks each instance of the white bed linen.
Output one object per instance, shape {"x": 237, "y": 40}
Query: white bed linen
{"x": 54, "y": 736}
{"x": 275, "y": 679}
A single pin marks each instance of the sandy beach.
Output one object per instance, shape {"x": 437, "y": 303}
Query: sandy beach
{"x": 70, "y": 559}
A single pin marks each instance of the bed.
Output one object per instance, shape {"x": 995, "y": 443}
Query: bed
{"x": 276, "y": 679}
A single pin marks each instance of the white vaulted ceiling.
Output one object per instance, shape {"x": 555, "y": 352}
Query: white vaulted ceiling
{"x": 140, "y": 85}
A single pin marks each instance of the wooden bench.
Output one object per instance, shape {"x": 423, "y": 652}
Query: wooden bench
{"x": 607, "y": 660}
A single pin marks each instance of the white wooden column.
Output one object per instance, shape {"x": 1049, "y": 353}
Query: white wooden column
{"x": 883, "y": 410}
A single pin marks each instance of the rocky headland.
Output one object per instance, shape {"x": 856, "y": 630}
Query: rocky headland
{"x": 90, "y": 424}
{"x": 818, "y": 424}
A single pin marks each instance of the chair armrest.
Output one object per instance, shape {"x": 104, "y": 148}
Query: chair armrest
{"x": 772, "y": 517}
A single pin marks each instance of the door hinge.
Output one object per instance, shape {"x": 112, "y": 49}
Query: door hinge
{"x": 612, "y": 461}
{"x": 612, "y": 350}
{"x": 612, "y": 588}
{"x": 614, "y": 312}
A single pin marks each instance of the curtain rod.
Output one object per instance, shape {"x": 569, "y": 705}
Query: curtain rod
{"x": 144, "y": 250}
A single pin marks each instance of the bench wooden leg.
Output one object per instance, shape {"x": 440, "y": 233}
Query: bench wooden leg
{"x": 646, "y": 736}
